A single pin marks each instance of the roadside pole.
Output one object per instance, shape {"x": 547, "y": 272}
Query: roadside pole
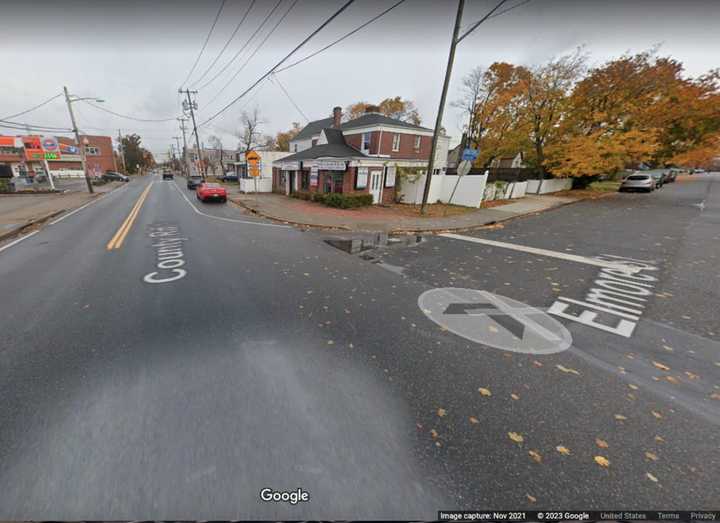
{"x": 122, "y": 152}
{"x": 186, "y": 167}
{"x": 441, "y": 108}
{"x": 77, "y": 139}
{"x": 191, "y": 107}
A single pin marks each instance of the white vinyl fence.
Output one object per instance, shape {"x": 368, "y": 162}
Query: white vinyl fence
{"x": 550, "y": 185}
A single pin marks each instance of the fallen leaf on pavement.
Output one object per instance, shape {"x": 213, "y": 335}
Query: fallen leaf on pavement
{"x": 633, "y": 387}
{"x": 667, "y": 348}
{"x": 474, "y": 420}
{"x": 691, "y": 375}
{"x": 659, "y": 439}
{"x": 537, "y": 363}
{"x": 563, "y": 450}
{"x": 535, "y": 455}
{"x": 517, "y": 438}
{"x": 484, "y": 392}
{"x": 620, "y": 417}
{"x": 715, "y": 396}
{"x": 433, "y": 433}
{"x": 672, "y": 379}
{"x": 492, "y": 328}
{"x": 441, "y": 412}
{"x": 531, "y": 499}
{"x": 651, "y": 456}
{"x": 657, "y": 414}
{"x": 660, "y": 366}
{"x": 514, "y": 396}
{"x": 567, "y": 370}
{"x": 651, "y": 477}
{"x": 331, "y": 342}
{"x": 602, "y": 461}
{"x": 601, "y": 443}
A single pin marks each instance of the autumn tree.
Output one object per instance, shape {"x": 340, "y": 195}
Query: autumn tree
{"x": 397, "y": 108}
{"x": 283, "y": 138}
{"x": 136, "y": 156}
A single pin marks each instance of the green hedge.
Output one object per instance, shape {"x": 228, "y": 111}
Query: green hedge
{"x": 340, "y": 201}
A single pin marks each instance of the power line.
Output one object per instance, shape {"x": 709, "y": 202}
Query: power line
{"x": 38, "y": 106}
{"x": 499, "y": 13}
{"x": 276, "y": 81}
{"x": 129, "y": 117}
{"x": 237, "y": 28}
{"x": 476, "y": 24}
{"x": 23, "y": 125}
{"x": 254, "y": 52}
{"x": 306, "y": 40}
{"x": 28, "y": 128}
{"x": 342, "y": 37}
{"x": 207, "y": 39}
{"x": 239, "y": 52}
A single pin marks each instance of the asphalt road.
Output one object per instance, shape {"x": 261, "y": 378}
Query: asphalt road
{"x": 279, "y": 361}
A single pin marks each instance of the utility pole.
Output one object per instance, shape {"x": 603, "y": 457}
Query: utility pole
{"x": 184, "y": 149}
{"x": 77, "y": 139}
{"x": 122, "y": 151}
{"x": 177, "y": 141}
{"x": 189, "y": 104}
{"x": 441, "y": 108}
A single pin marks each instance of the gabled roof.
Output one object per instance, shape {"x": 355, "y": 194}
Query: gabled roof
{"x": 369, "y": 119}
{"x": 313, "y": 128}
{"x": 335, "y": 148}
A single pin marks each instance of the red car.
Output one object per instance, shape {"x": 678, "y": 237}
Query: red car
{"x": 211, "y": 191}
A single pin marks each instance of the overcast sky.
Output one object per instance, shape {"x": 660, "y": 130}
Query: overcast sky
{"x": 136, "y": 54}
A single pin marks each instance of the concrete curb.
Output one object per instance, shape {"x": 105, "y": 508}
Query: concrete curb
{"x": 42, "y": 219}
{"x": 37, "y": 221}
{"x": 402, "y": 230}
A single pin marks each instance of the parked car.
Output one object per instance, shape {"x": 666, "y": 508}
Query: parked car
{"x": 670, "y": 176}
{"x": 194, "y": 181}
{"x": 112, "y": 176}
{"x": 229, "y": 178}
{"x": 211, "y": 191}
{"x": 638, "y": 182}
{"x": 658, "y": 176}
{"x": 168, "y": 175}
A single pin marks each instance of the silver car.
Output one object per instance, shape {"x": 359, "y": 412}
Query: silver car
{"x": 638, "y": 182}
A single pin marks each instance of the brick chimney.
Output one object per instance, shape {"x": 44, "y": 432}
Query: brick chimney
{"x": 337, "y": 117}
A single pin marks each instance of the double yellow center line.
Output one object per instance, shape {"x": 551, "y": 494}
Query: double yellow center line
{"x": 124, "y": 229}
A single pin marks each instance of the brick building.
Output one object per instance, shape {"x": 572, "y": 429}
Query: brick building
{"x": 361, "y": 155}
{"x": 99, "y": 156}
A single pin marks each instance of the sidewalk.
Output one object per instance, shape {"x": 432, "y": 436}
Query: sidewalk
{"x": 383, "y": 219}
{"x": 18, "y": 211}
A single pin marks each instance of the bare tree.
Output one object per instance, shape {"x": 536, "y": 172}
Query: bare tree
{"x": 473, "y": 86}
{"x": 250, "y": 135}
{"x": 216, "y": 158}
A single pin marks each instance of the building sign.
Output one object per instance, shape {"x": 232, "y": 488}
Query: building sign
{"x": 69, "y": 149}
{"x": 52, "y": 156}
{"x": 330, "y": 165}
{"x": 33, "y": 148}
{"x": 11, "y": 142}
{"x": 289, "y": 166}
{"x": 253, "y": 163}
{"x": 313, "y": 176}
{"x": 362, "y": 178}
{"x": 50, "y": 144}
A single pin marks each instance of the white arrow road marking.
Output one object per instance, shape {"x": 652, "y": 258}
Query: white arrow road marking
{"x": 544, "y": 252}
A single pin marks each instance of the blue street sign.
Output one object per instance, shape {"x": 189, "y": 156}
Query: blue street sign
{"x": 470, "y": 154}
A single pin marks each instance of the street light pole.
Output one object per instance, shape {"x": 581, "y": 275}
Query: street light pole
{"x": 441, "y": 108}
{"x": 77, "y": 139}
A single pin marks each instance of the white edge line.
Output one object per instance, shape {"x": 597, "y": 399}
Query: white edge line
{"x": 226, "y": 219}
{"x": 95, "y": 200}
{"x": 543, "y": 252}
{"x": 15, "y": 242}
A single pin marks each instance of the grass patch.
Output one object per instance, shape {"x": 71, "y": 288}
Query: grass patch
{"x": 607, "y": 185}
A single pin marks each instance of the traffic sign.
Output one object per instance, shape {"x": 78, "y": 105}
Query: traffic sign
{"x": 464, "y": 167}
{"x": 253, "y": 163}
{"x": 494, "y": 320}
{"x": 470, "y": 154}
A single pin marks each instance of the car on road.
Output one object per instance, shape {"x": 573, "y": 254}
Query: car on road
{"x": 671, "y": 176}
{"x": 112, "y": 176}
{"x": 638, "y": 182}
{"x": 211, "y": 192}
{"x": 658, "y": 176}
{"x": 168, "y": 175}
{"x": 193, "y": 182}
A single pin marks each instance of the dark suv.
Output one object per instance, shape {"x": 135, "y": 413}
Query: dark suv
{"x": 167, "y": 175}
{"x": 194, "y": 181}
